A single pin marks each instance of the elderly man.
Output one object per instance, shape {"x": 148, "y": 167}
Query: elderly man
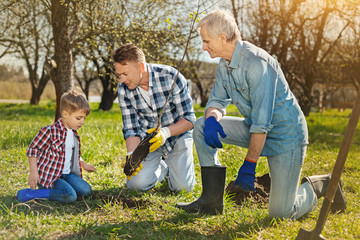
{"x": 273, "y": 126}
{"x": 143, "y": 90}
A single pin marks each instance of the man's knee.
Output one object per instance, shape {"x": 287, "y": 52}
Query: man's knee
{"x": 282, "y": 213}
{"x": 186, "y": 184}
{"x": 139, "y": 185}
{"x": 198, "y": 128}
{"x": 199, "y": 124}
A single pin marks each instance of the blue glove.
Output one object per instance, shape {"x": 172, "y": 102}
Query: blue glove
{"x": 246, "y": 176}
{"x": 211, "y": 129}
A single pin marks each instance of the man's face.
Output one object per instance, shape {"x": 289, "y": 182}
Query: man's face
{"x": 211, "y": 45}
{"x": 130, "y": 73}
{"x": 73, "y": 120}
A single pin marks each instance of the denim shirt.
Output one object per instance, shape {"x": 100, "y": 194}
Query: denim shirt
{"x": 255, "y": 83}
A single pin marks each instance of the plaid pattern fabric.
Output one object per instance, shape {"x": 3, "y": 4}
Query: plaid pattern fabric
{"x": 48, "y": 147}
{"x": 138, "y": 116}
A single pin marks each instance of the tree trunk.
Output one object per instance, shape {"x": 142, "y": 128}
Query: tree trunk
{"x": 62, "y": 76}
{"x": 109, "y": 91}
{"x": 107, "y": 100}
{"x": 37, "y": 91}
{"x": 203, "y": 97}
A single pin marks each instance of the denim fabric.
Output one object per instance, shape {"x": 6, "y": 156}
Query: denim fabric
{"x": 178, "y": 166}
{"x": 255, "y": 83}
{"x": 68, "y": 187}
{"x": 286, "y": 199}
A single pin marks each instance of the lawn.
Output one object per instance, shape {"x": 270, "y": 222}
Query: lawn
{"x": 113, "y": 212}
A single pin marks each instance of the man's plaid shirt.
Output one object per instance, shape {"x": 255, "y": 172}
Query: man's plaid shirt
{"x": 48, "y": 147}
{"x": 138, "y": 116}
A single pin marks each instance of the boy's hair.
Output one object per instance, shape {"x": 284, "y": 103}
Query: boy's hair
{"x": 128, "y": 52}
{"x": 220, "y": 21}
{"x": 72, "y": 101}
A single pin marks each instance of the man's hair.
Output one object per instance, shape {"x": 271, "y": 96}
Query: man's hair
{"x": 72, "y": 101}
{"x": 128, "y": 52}
{"x": 220, "y": 21}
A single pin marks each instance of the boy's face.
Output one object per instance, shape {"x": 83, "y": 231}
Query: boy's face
{"x": 73, "y": 120}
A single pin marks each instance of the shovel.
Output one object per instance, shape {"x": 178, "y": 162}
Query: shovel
{"x": 335, "y": 176}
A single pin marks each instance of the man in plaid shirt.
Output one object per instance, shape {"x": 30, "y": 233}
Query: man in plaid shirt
{"x": 142, "y": 93}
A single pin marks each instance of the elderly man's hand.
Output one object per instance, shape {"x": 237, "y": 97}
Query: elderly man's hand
{"x": 246, "y": 176}
{"x": 211, "y": 129}
{"x": 159, "y": 139}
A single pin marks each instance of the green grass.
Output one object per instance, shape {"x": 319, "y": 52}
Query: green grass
{"x": 103, "y": 214}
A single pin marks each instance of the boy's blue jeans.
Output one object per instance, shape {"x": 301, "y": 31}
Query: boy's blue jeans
{"x": 287, "y": 198}
{"x": 68, "y": 187}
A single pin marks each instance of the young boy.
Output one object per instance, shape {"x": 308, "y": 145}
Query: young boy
{"x": 54, "y": 155}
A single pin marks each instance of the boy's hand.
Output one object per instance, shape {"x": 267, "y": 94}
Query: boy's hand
{"x": 34, "y": 179}
{"x": 87, "y": 167}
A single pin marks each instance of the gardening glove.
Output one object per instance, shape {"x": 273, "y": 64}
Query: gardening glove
{"x": 211, "y": 129}
{"x": 159, "y": 139}
{"x": 128, "y": 155}
{"x": 246, "y": 176}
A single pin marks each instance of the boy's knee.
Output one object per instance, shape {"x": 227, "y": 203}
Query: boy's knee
{"x": 70, "y": 197}
{"x": 85, "y": 191}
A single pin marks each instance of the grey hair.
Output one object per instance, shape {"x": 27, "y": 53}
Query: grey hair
{"x": 220, "y": 21}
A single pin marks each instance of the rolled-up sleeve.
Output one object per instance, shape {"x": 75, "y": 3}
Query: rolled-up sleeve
{"x": 262, "y": 79}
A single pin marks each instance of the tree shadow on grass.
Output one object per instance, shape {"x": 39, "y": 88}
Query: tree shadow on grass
{"x": 98, "y": 198}
{"x": 179, "y": 224}
{"x": 172, "y": 227}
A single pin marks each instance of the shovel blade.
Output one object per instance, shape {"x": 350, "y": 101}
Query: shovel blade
{"x": 308, "y": 235}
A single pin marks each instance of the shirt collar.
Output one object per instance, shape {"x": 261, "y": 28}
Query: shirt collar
{"x": 61, "y": 125}
{"x": 236, "y": 57}
{"x": 151, "y": 75}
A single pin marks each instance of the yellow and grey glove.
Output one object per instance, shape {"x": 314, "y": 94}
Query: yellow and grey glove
{"x": 127, "y": 156}
{"x": 159, "y": 139}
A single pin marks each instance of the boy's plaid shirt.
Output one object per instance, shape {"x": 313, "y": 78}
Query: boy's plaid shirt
{"x": 48, "y": 147}
{"x": 138, "y": 116}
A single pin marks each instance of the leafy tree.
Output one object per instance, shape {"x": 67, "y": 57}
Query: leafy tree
{"x": 27, "y": 36}
{"x": 300, "y": 34}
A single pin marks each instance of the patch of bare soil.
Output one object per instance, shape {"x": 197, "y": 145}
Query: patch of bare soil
{"x": 260, "y": 195}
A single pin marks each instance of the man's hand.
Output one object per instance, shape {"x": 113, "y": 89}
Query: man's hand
{"x": 34, "y": 179}
{"x": 246, "y": 176}
{"x": 159, "y": 139}
{"x": 211, "y": 129}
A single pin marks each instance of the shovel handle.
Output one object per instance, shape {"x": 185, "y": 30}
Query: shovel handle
{"x": 339, "y": 166}
{"x": 344, "y": 150}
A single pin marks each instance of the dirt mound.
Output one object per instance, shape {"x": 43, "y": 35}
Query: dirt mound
{"x": 260, "y": 195}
